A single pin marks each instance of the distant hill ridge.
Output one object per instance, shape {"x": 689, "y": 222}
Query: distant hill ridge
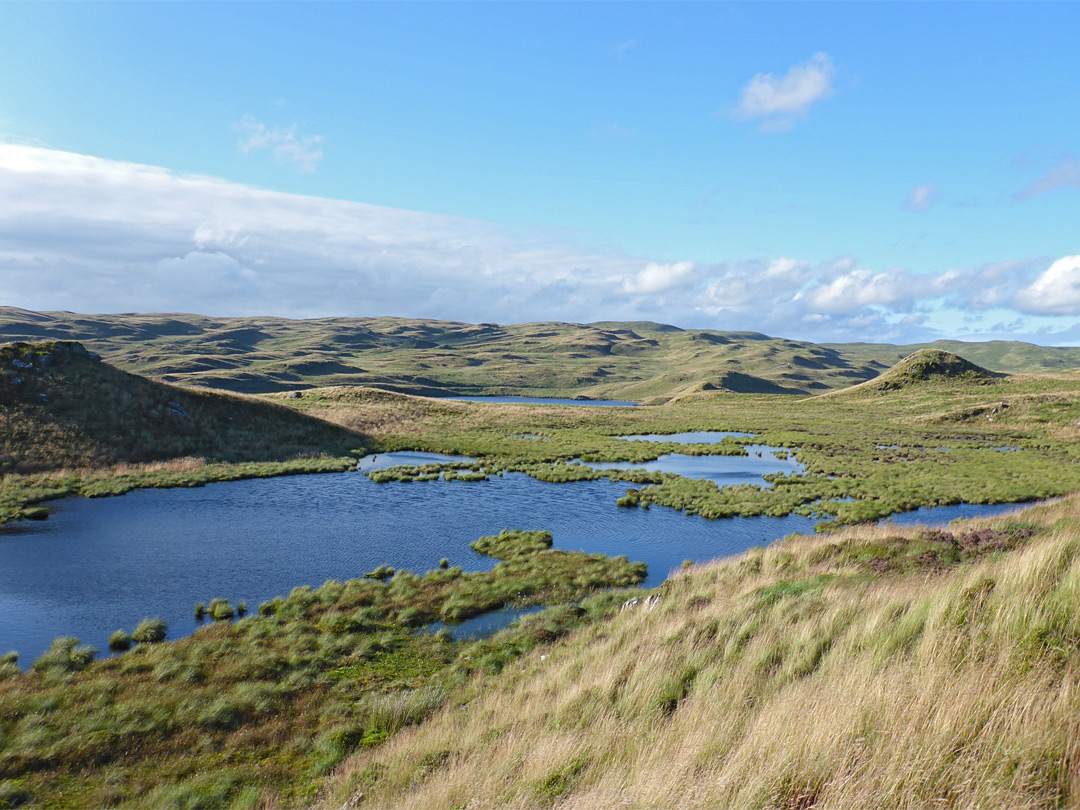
{"x": 641, "y": 361}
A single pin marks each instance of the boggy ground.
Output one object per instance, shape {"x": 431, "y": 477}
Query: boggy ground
{"x": 241, "y": 714}
{"x": 867, "y": 452}
{"x": 904, "y": 440}
{"x": 873, "y": 667}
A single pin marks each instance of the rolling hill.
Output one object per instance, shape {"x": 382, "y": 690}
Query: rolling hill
{"x": 638, "y": 361}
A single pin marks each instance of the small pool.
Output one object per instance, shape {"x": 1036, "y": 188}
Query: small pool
{"x": 599, "y": 403}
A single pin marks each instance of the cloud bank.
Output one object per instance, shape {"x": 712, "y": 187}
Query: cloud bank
{"x": 92, "y": 235}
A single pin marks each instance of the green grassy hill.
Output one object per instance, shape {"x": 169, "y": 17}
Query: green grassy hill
{"x": 1009, "y": 356}
{"x": 923, "y": 367}
{"x": 641, "y": 361}
{"x": 61, "y": 407}
{"x": 637, "y": 361}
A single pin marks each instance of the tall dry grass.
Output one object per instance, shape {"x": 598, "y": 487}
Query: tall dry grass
{"x": 792, "y": 677}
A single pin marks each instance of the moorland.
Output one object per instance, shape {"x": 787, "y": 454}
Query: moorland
{"x": 865, "y": 664}
{"x": 640, "y": 361}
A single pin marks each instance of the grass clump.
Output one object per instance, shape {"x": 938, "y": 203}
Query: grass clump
{"x": 120, "y": 640}
{"x": 65, "y": 654}
{"x": 13, "y": 795}
{"x": 511, "y": 543}
{"x": 9, "y": 664}
{"x": 220, "y": 610}
{"x": 149, "y": 631}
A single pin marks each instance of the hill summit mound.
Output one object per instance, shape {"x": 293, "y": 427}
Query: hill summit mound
{"x": 62, "y": 406}
{"x": 927, "y": 365}
{"x": 924, "y": 366}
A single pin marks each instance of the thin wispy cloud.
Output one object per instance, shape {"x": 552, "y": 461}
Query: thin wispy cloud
{"x": 623, "y": 47}
{"x": 778, "y": 103}
{"x": 286, "y": 144}
{"x": 922, "y": 198}
{"x": 88, "y": 234}
{"x": 1066, "y": 174}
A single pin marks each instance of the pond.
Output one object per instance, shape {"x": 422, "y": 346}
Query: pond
{"x": 605, "y": 403}
{"x": 690, "y": 437}
{"x": 724, "y": 470}
{"x": 98, "y": 565}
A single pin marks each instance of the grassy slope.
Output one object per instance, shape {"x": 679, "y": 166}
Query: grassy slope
{"x": 608, "y": 360}
{"x": 870, "y": 668}
{"x": 61, "y": 407}
{"x": 867, "y": 452}
{"x": 62, "y": 411}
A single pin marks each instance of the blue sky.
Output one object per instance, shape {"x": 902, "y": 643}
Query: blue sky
{"x": 841, "y": 171}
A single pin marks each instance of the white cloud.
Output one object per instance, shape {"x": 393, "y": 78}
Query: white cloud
{"x": 922, "y": 197}
{"x": 1056, "y": 291}
{"x": 745, "y": 286}
{"x": 656, "y": 277}
{"x": 780, "y": 102}
{"x": 86, "y": 234}
{"x": 285, "y": 143}
{"x": 1065, "y": 175}
{"x": 855, "y": 290}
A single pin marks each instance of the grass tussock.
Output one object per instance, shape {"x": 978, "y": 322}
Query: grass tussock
{"x": 876, "y": 667}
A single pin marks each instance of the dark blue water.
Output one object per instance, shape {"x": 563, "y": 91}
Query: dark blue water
{"x": 608, "y": 403}
{"x": 690, "y": 437}
{"x": 97, "y": 565}
{"x": 943, "y": 515}
{"x": 484, "y": 624}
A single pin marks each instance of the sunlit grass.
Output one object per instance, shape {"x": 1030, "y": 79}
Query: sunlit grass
{"x": 806, "y": 674}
